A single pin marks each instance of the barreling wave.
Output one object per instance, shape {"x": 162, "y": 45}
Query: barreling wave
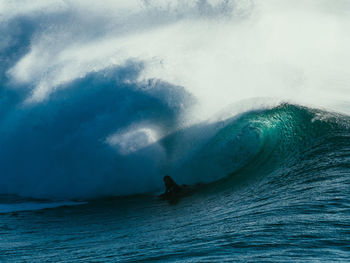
{"x": 74, "y": 163}
{"x": 107, "y": 104}
{"x": 270, "y": 141}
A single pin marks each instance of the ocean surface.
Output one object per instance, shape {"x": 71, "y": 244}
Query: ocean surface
{"x": 288, "y": 202}
{"x": 246, "y": 101}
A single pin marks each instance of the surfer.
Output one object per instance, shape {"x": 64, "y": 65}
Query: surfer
{"x": 173, "y": 190}
{"x": 170, "y": 185}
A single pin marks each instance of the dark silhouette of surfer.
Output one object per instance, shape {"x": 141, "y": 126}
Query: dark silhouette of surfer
{"x": 173, "y": 190}
{"x": 170, "y": 185}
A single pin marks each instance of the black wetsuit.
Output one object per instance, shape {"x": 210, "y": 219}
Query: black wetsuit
{"x": 173, "y": 189}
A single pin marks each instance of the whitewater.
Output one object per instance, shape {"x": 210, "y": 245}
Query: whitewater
{"x": 100, "y": 100}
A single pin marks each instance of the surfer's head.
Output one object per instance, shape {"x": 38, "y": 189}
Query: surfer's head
{"x": 168, "y": 181}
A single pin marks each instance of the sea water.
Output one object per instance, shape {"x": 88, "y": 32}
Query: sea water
{"x": 248, "y": 99}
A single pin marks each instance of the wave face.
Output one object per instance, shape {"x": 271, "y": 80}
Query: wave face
{"x": 271, "y": 141}
{"x": 105, "y": 104}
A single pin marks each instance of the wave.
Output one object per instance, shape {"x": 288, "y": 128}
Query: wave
{"x": 263, "y": 142}
{"x": 106, "y": 105}
{"x": 83, "y": 167}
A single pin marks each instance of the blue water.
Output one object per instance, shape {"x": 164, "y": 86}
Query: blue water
{"x": 289, "y": 202}
{"x": 95, "y": 110}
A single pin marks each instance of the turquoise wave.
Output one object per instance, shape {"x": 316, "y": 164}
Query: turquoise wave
{"x": 284, "y": 139}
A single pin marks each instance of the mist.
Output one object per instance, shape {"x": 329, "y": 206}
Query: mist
{"x": 90, "y": 90}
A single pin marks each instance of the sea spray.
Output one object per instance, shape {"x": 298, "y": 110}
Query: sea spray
{"x": 101, "y": 99}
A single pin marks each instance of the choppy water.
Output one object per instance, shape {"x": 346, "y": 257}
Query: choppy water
{"x": 289, "y": 202}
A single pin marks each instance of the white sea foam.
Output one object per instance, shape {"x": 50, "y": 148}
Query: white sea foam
{"x": 92, "y": 88}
